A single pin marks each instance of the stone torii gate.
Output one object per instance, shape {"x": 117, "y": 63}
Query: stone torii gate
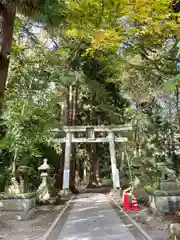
{"x": 90, "y": 137}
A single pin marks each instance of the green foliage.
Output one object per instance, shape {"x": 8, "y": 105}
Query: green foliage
{"x": 30, "y": 106}
{"x": 171, "y": 84}
{"x": 114, "y": 54}
{"x": 49, "y": 12}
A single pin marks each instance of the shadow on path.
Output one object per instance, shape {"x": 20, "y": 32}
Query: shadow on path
{"x": 93, "y": 218}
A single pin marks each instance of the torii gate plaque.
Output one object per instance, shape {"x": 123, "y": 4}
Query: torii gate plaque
{"x": 91, "y": 137}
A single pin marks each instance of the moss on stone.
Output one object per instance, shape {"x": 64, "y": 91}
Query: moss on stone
{"x": 18, "y": 196}
{"x": 163, "y": 193}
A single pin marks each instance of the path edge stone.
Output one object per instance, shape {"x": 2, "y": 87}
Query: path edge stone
{"x": 142, "y": 231}
{"x": 57, "y": 220}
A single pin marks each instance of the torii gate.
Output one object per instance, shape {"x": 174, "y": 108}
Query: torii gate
{"x": 90, "y": 132}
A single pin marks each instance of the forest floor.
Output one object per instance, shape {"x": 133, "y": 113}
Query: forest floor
{"x": 155, "y": 226}
{"x": 32, "y": 229}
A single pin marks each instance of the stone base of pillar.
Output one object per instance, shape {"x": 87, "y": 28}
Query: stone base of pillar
{"x": 116, "y": 190}
{"x": 115, "y": 193}
{"x": 65, "y": 194}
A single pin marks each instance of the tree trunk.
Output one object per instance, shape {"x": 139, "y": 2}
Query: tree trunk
{"x": 177, "y": 106}
{"x": 7, "y": 19}
{"x": 98, "y": 172}
{"x": 84, "y": 179}
{"x": 59, "y": 178}
{"x": 137, "y": 134}
{"x": 73, "y": 95}
{"x": 81, "y": 170}
{"x": 72, "y": 182}
{"x": 93, "y": 182}
{"x": 92, "y": 148}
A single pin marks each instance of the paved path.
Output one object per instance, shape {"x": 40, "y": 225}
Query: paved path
{"x": 93, "y": 218}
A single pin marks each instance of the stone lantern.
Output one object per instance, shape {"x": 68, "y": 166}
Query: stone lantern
{"x": 43, "y": 190}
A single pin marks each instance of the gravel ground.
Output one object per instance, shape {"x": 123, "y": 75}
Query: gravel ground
{"x": 155, "y": 226}
{"x": 32, "y": 229}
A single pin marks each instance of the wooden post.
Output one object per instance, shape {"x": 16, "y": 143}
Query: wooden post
{"x": 66, "y": 174}
{"x": 115, "y": 177}
{"x": 85, "y": 174}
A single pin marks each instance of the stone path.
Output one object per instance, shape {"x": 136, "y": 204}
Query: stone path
{"x": 93, "y": 218}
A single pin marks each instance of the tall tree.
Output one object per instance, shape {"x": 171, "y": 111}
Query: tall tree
{"x": 38, "y": 10}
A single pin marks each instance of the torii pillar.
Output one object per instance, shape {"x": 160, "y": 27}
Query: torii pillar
{"x": 115, "y": 171}
{"x": 66, "y": 174}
